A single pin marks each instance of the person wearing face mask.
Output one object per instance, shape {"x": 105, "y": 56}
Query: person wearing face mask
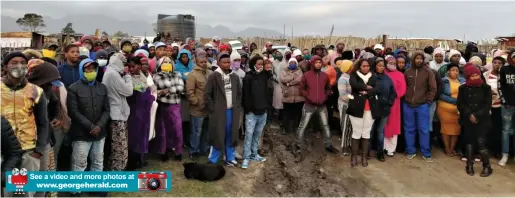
{"x": 126, "y": 48}
{"x": 287, "y": 55}
{"x": 43, "y": 75}
{"x": 255, "y": 105}
{"x": 89, "y": 108}
{"x": 160, "y": 52}
{"x": 135, "y": 46}
{"x": 244, "y": 61}
{"x": 278, "y": 66}
{"x": 184, "y": 66}
{"x": 291, "y": 97}
{"x": 393, "y": 128}
{"x": 101, "y": 58}
{"x": 236, "y": 65}
{"x": 69, "y": 71}
{"x": 49, "y": 51}
{"x": 169, "y": 130}
{"x": 119, "y": 86}
{"x": 24, "y": 105}
{"x": 140, "y": 103}
{"x": 315, "y": 87}
{"x": 87, "y": 42}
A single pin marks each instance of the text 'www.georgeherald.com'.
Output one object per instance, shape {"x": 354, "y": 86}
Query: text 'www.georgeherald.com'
{"x": 84, "y": 185}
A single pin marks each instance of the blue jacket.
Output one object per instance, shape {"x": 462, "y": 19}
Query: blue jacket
{"x": 386, "y": 93}
{"x": 181, "y": 68}
{"x": 69, "y": 74}
{"x": 446, "y": 94}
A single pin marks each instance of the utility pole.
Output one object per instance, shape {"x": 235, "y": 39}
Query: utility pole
{"x": 292, "y": 34}
{"x": 284, "y": 33}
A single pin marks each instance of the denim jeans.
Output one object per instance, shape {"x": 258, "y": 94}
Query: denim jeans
{"x": 254, "y": 125}
{"x": 380, "y": 123}
{"x": 307, "y": 113}
{"x": 507, "y": 127}
{"x": 199, "y": 135}
{"x": 84, "y": 149}
{"x": 416, "y": 121}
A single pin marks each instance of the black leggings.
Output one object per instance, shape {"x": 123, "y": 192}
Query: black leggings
{"x": 292, "y": 114}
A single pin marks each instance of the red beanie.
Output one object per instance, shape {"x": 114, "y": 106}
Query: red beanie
{"x": 469, "y": 70}
{"x": 224, "y": 47}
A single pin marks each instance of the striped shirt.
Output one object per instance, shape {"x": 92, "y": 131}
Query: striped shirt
{"x": 171, "y": 81}
{"x": 344, "y": 89}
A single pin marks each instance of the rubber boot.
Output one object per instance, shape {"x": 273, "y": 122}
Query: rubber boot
{"x": 364, "y": 150}
{"x": 470, "y": 160}
{"x": 487, "y": 169}
{"x": 355, "y": 151}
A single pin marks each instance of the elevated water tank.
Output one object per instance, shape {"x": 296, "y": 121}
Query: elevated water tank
{"x": 176, "y": 26}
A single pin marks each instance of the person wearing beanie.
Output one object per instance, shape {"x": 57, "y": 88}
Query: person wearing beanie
{"x": 454, "y": 58}
{"x": 344, "y": 67}
{"x": 428, "y": 52}
{"x": 151, "y": 50}
{"x": 69, "y": 70}
{"x": 291, "y": 97}
{"x": 89, "y": 119}
{"x": 392, "y": 128}
{"x": 255, "y": 104}
{"x": 195, "y": 93}
{"x": 222, "y": 95}
{"x": 378, "y": 48}
{"x": 142, "y": 52}
{"x": 447, "y": 110}
{"x": 87, "y": 42}
{"x": 24, "y": 105}
{"x": 32, "y": 54}
{"x": 315, "y": 88}
{"x": 438, "y": 59}
{"x": 474, "y": 104}
{"x": 495, "y": 135}
{"x": 160, "y": 51}
{"x": 507, "y": 95}
{"x": 101, "y": 57}
{"x": 43, "y": 75}
{"x": 169, "y": 124}
{"x": 386, "y": 94}
{"x": 83, "y": 53}
{"x": 420, "y": 93}
{"x": 119, "y": 86}
{"x": 236, "y": 65}
{"x": 338, "y": 53}
{"x": 135, "y": 46}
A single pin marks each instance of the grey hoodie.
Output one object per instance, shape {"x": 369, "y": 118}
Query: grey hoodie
{"x": 118, "y": 87}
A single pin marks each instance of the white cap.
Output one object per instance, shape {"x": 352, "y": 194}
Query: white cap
{"x": 175, "y": 45}
{"x": 235, "y": 55}
{"x": 378, "y": 46}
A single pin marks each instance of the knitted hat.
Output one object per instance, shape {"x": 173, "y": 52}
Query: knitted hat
{"x": 476, "y": 61}
{"x": 451, "y": 65}
{"x": 454, "y": 52}
{"x": 296, "y": 52}
{"x": 469, "y": 70}
{"x": 224, "y": 47}
{"x": 125, "y": 41}
{"x": 293, "y": 60}
{"x": 43, "y": 74}
{"x": 11, "y": 56}
{"x": 141, "y": 51}
{"x": 235, "y": 55}
{"x": 223, "y": 55}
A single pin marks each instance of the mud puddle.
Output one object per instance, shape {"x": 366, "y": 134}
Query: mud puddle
{"x": 310, "y": 172}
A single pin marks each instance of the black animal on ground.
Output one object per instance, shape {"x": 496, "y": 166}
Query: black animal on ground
{"x": 203, "y": 172}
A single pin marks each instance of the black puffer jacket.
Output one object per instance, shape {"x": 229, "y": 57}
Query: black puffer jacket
{"x": 357, "y": 105}
{"x": 88, "y": 106}
{"x": 11, "y": 149}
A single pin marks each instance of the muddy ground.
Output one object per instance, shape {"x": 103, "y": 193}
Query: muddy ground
{"x": 316, "y": 173}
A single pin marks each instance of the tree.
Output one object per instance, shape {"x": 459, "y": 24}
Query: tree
{"x": 31, "y": 22}
{"x": 120, "y": 34}
{"x": 68, "y": 29}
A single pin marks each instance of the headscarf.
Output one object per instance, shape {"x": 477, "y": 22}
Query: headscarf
{"x": 33, "y": 63}
{"x": 141, "y": 51}
{"x": 476, "y": 61}
{"x": 391, "y": 67}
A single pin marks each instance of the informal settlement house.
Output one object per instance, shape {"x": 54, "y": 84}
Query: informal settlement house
{"x": 18, "y": 41}
{"x": 506, "y": 42}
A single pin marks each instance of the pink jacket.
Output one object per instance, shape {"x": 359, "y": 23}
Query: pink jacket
{"x": 393, "y": 125}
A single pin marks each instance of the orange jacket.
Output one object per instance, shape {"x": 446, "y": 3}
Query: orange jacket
{"x": 329, "y": 70}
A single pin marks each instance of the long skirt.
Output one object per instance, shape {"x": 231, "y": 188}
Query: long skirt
{"x": 168, "y": 129}
{"x": 119, "y": 146}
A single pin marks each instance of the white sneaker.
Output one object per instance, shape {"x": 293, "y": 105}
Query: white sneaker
{"x": 504, "y": 160}
{"x": 237, "y": 155}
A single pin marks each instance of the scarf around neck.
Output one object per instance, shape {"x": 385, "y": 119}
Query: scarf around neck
{"x": 364, "y": 77}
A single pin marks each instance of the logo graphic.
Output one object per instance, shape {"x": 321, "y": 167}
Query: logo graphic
{"x": 152, "y": 181}
{"x": 19, "y": 178}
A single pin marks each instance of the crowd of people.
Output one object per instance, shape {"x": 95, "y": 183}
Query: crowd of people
{"x": 106, "y": 109}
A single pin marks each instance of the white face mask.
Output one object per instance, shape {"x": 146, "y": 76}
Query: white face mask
{"x": 18, "y": 71}
{"x": 102, "y": 62}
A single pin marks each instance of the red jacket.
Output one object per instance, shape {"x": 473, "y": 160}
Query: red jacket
{"x": 314, "y": 85}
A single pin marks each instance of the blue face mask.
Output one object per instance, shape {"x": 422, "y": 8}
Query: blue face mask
{"x": 292, "y": 66}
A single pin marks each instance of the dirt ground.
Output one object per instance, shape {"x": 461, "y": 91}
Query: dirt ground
{"x": 316, "y": 173}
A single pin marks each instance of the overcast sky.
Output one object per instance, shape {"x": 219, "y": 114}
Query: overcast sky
{"x": 437, "y": 19}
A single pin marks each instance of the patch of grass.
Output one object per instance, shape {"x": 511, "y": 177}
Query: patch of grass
{"x": 181, "y": 187}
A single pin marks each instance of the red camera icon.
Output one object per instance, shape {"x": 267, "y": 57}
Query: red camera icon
{"x": 152, "y": 181}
